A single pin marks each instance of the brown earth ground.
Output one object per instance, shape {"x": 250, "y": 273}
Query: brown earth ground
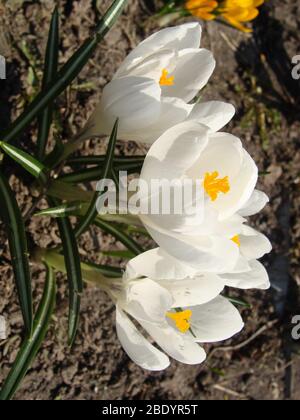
{"x": 254, "y": 73}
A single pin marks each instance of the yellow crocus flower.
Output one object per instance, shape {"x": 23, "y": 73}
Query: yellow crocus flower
{"x": 237, "y": 12}
{"x": 202, "y": 9}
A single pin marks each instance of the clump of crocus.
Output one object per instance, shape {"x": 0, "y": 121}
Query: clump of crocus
{"x": 234, "y": 12}
{"x": 237, "y": 12}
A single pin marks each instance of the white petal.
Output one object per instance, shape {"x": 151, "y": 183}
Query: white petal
{"x": 175, "y": 151}
{"x": 215, "y": 321}
{"x": 157, "y": 265}
{"x": 137, "y": 347}
{"x": 147, "y": 300}
{"x": 207, "y": 253}
{"x": 223, "y": 153}
{"x": 256, "y": 278}
{"x": 226, "y": 155}
{"x": 179, "y": 346}
{"x": 176, "y": 38}
{"x": 214, "y": 114}
{"x": 242, "y": 265}
{"x": 241, "y": 188}
{"x": 150, "y": 66}
{"x": 228, "y": 228}
{"x": 193, "y": 69}
{"x": 134, "y": 100}
{"x": 176, "y": 205}
{"x": 173, "y": 111}
{"x": 254, "y": 245}
{"x": 255, "y": 204}
{"x": 194, "y": 291}
{"x": 3, "y": 329}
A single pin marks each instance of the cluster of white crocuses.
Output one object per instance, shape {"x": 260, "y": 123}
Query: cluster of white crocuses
{"x": 172, "y": 294}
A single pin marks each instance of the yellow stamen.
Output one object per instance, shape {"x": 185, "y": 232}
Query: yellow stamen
{"x": 214, "y": 185}
{"x": 166, "y": 80}
{"x": 181, "y": 319}
{"x": 236, "y": 240}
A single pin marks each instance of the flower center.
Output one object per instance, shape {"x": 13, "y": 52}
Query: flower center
{"x": 214, "y": 185}
{"x": 181, "y": 319}
{"x": 166, "y": 80}
{"x": 236, "y": 240}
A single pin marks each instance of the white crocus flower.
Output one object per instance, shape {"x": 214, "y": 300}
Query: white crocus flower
{"x": 218, "y": 164}
{"x": 152, "y": 89}
{"x": 177, "y": 315}
{"x": 253, "y": 275}
{"x": 3, "y": 329}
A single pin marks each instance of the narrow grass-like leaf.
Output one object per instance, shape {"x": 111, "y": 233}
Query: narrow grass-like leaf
{"x": 69, "y": 245}
{"x": 67, "y": 73}
{"x": 72, "y": 261}
{"x": 50, "y": 71}
{"x": 14, "y": 225}
{"x": 124, "y": 219}
{"x": 104, "y": 270}
{"x": 238, "y": 302}
{"x": 68, "y": 192}
{"x": 91, "y": 213}
{"x": 31, "y": 345}
{"x": 28, "y": 162}
{"x": 94, "y": 174}
{"x": 64, "y": 210}
{"x": 121, "y": 236}
{"x": 124, "y": 254}
{"x": 137, "y": 230}
{"x": 119, "y": 161}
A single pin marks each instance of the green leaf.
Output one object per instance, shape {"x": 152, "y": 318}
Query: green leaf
{"x": 68, "y": 192}
{"x": 94, "y": 174}
{"x": 104, "y": 270}
{"x": 31, "y": 345}
{"x": 91, "y": 213}
{"x": 119, "y": 161}
{"x": 64, "y": 210}
{"x": 28, "y": 162}
{"x": 124, "y": 219}
{"x": 14, "y": 225}
{"x": 124, "y": 254}
{"x": 238, "y": 302}
{"x": 137, "y": 230}
{"x": 67, "y": 74}
{"x": 50, "y": 71}
{"x": 72, "y": 261}
{"x": 121, "y": 236}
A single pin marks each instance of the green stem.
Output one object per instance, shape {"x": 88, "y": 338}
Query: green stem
{"x": 98, "y": 275}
